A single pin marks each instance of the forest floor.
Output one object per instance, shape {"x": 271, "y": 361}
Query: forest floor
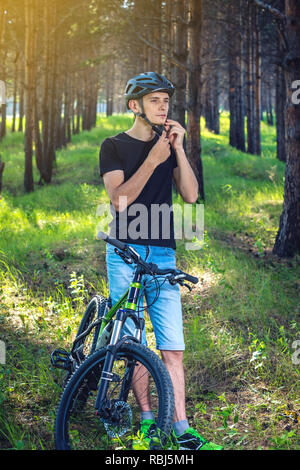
{"x": 241, "y": 321}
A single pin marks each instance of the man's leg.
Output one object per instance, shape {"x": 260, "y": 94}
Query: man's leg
{"x": 140, "y": 387}
{"x": 166, "y": 317}
{"x": 173, "y": 361}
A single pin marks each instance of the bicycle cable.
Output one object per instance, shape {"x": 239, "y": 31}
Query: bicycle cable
{"x": 157, "y": 294}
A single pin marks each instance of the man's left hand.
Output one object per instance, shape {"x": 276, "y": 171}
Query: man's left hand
{"x": 176, "y": 133}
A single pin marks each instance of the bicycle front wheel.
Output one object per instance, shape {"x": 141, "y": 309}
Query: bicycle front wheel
{"x": 78, "y": 427}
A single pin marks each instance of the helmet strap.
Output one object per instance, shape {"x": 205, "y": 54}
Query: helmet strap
{"x": 157, "y": 129}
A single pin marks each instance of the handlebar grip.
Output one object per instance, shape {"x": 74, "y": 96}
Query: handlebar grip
{"x": 112, "y": 241}
{"x": 192, "y": 279}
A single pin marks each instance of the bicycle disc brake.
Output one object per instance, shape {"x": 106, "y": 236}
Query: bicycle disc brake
{"x": 116, "y": 417}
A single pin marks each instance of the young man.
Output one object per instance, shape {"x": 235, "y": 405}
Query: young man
{"x": 137, "y": 168}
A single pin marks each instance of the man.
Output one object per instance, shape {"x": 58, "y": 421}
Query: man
{"x": 137, "y": 168}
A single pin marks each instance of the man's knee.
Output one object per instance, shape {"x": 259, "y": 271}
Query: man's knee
{"x": 172, "y": 357}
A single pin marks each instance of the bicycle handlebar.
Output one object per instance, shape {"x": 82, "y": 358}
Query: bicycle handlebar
{"x": 150, "y": 267}
{"x": 112, "y": 241}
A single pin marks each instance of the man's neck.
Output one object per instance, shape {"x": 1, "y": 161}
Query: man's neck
{"x": 141, "y": 131}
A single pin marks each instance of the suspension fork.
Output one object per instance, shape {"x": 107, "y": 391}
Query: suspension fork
{"x": 111, "y": 353}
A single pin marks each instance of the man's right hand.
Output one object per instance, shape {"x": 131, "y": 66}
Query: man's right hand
{"x": 161, "y": 150}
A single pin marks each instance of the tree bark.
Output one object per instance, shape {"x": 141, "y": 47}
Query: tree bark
{"x": 46, "y": 169}
{"x": 29, "y": 93}
{"x": 288, "y": 237}
{"x": 180, "y": 53}
{"x": 250, "y": 81}
{"x": 194, "y": 92}
{"x": 257, "y": 81}
{"x": 13, "y": 127}
{"x": 280, "y": 107}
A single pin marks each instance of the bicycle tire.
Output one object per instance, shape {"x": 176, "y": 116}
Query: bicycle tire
{"x": 70, "y": 431}
{"x": 93, "y": 311}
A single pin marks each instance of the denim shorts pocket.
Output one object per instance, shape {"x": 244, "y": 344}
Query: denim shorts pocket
{"x": 169, "y": 251}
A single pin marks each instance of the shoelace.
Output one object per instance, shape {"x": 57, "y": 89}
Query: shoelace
{"x": 191, "y": 437}
{"x": 151, "y": 431}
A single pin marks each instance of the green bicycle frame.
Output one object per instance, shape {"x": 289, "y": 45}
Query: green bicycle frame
{"x": 128, "y": 301}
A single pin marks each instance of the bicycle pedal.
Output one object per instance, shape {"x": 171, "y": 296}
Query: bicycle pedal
{"x": 61, "y": 359}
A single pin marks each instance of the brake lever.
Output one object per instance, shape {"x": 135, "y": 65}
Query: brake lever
{"x": 186, "y": 285}
{"x": 176, "y": 279}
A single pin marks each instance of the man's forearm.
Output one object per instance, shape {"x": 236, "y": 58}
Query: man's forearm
{"x": 134, "y": 186}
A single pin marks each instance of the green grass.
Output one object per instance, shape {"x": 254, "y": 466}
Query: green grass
{"x": 240, "y": 321}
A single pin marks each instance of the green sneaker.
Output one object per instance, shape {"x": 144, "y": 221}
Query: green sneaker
{"x": 148, "y": 429}
{"x": 191, "y": 440}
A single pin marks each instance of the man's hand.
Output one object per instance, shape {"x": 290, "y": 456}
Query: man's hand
{"x": 161, "y": 150}
{"x": 176, "y": 133}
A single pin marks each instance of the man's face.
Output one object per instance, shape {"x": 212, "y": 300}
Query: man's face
{"x": 156, "y": 106}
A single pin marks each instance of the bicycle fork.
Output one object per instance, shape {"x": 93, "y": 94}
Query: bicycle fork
{"x": 107, "y": 375}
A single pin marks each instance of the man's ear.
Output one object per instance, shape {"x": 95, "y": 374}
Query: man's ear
{"x": 134, "y": 105}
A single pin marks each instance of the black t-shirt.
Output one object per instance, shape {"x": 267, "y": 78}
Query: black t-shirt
{"x": 152, "y": 223}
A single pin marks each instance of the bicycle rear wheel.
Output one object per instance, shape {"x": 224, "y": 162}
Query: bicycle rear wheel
{"x": 78, "y": 427}
{"x": 94, "y": 310}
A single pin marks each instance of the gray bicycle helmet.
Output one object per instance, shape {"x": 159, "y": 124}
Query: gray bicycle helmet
{"x": 146, "y": 83}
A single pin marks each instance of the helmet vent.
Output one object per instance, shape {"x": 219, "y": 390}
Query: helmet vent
{"x": 137, "y": 89}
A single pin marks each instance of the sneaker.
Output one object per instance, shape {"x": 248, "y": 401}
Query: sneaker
{"x": 191, "y": 440}
{"x": 148, "y": 429}
{"x": 152, "y": 435}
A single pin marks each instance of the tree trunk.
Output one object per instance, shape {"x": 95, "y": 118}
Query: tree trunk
{"x": 280, "y": 107}
{"x": 110, "y": 88}
{"x": 232, "y": 95}
{"x": 13, "y": 127}
{"x": 249, "y": 81}
{"x": 194, "y": 92}
{"x": 21, "y": 106}
{"x": 288, "y": 237}
{"x": 51, "y": 157}
{"x": 37, "y": 137}
{"x": 46, "y": 169}
{"x": 257, "y": 81}
{"x": 180, "y": 53}
{"x": 29, "y": 92}
{"x": 240, "y": 65}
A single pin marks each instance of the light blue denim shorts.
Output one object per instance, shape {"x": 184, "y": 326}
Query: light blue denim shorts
{"x": 166, "y": 312}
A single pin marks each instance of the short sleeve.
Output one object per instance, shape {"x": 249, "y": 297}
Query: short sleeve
{"x": 109, "y": 159}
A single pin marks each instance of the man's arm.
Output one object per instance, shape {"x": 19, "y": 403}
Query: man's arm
{"x": 114, "y": 180}
{"x": 184, "y": 176}
{"x": 116, "y": 188}
{"x": 185, "y": 179}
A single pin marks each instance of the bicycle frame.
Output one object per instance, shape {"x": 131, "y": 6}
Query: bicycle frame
{"x": 128, "y": 301}
{"x": 125, "y": 307}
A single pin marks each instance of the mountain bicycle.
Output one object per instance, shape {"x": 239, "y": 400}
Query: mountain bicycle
{"x": 110, "y": 375}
